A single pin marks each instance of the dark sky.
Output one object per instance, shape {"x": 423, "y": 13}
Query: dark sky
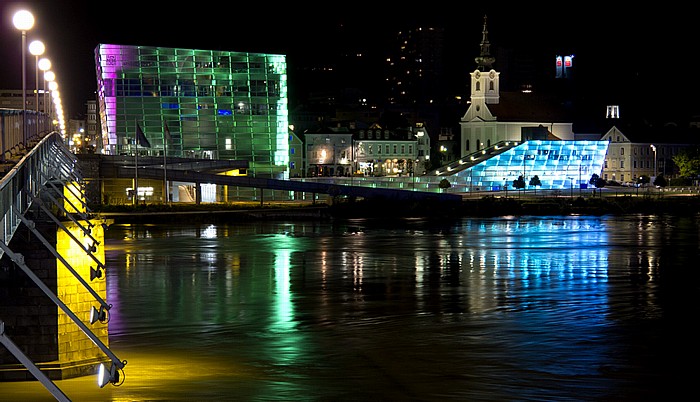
{"x": 633, "y": 43}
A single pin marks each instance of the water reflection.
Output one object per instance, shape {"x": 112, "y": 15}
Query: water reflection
{"x": 533, "y": 308}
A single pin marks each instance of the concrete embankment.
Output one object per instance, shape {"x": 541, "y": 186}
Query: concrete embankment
{"x": 481, "y": 207}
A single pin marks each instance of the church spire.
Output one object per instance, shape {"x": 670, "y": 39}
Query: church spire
{"x": 484, "y": 60}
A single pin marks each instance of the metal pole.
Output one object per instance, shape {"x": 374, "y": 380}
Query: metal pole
{"x": 24, "y": 88}
{"x": 36, "y": 95}
{"x": 571, "y": 187}
{"x": 579, "y": 179}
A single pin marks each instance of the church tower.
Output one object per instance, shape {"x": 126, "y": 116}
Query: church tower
{"x": 485, "y": 80}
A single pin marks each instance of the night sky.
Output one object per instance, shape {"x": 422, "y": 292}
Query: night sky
{"x": 641, "y": 46}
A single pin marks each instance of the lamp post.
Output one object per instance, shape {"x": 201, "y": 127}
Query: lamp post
{"x": 579, "y": 179}
{"x": 53, "y": 87}
{"x": 653, "y": 148}
{"x": 36, "y": 48}
{"x": 44, "y": 65}
{"x": 24, "y": 21}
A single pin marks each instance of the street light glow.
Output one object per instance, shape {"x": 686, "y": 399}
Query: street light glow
{"x": 23, "y": 20}
{"x": 37, "y": 48}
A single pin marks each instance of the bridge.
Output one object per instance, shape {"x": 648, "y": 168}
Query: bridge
{"x": 205, "y": 171}
{"x": 45, "y": 187}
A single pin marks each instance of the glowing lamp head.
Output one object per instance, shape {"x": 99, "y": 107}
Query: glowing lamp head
{"x": 37, "y": 48}
{"x": 23, "y": 20}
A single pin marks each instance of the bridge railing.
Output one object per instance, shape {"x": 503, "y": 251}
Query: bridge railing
{"x": 49, "y": 159}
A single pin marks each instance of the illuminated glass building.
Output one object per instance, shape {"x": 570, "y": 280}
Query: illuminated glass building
{"x": 559, "y": 165}
{"x": 206, "y": 104}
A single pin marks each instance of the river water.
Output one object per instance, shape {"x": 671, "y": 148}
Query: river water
{"x": 553, "y": 308}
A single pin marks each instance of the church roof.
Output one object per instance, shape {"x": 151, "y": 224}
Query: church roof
{"x": 523, "y": 107}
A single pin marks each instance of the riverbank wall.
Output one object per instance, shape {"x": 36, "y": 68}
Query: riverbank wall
{"x": 391, "y": 209}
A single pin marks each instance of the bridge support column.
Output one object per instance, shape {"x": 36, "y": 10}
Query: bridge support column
{"x": 45, "y": 333}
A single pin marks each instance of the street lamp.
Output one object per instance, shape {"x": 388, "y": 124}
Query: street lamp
{"x": 24, "y": 21}
{"x": 44, "y": 65}
{"x": 653, "y": 148}
{"x": 53, "y": 87}
{"x": 579, "y": 179}
{"x": 36, "y": 48}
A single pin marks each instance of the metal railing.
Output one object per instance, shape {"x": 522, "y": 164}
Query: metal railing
{"x": 49, "y": 159}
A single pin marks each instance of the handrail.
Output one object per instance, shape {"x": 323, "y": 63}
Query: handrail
{"x": 25, "y": 179}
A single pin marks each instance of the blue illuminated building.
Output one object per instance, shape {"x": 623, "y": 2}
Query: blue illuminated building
{"x": 557, "y": 165}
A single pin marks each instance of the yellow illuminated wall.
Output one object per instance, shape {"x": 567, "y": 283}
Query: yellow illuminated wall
{"x": 74, "y": 199}
{"x": 73, "y": 344}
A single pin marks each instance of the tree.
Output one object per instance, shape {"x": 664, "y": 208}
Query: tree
{"x": 660, "y": 181}
{"x": 535, "y": 181}
{"x": 600, "y": 182}
{"x": 688, "y": 162}
{"x": 444, "y": 184}
{"x": 519, "y": 183}
{"x": 643, "y": 179}
{"x": 593, "y": 179}
{"x": 597, "y": 181}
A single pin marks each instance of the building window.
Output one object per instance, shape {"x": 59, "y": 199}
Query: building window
{"x": 622, "y": 151}
{"x": 622, "y": 164}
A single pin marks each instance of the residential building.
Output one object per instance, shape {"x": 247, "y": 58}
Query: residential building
{"x": 297, "y": 160}
{"x": 374, "y": 151}
{"x": 329, "y": 152}
{"x": 93, "y": 137}
{"x": 635, "y": 152}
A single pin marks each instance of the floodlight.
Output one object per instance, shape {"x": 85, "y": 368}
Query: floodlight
{"x": 98, "y": 315}
{"x": 95, "y": 273}
{"x": 112, "y": 375}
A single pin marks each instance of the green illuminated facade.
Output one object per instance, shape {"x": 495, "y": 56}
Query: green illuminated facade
{"x": 190, "y": 103}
